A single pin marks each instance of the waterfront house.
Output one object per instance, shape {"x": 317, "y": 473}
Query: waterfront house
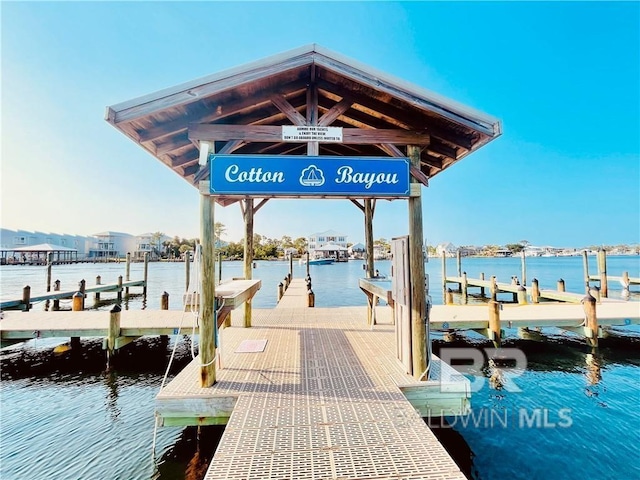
{"x": 448, "y": 249}
{"x": 320, "y": 239}
{"x": 107, "y": 245}
{"x": 11, "y": 240}
{"x": 150, "y": 243}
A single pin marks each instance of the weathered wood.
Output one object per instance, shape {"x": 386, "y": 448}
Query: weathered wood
{"x": 248, "y": 213}
{"x": 459, "y": 262}
{"x": 482, "y": 289}
{"x": 146, "y": 273}
{"x": 444, "y": 273}
{"x": 119, "y": 288}
{"x": 271, "y": 133}
{"x": 522, "y": 295}
{"x": 164, "y": 301}
{"x": 561, "y": 286}
{"x": 589, "y": 305}
{"x": 448, "y": 297}
{"x": 77, "y": 302}
{"x": 585, "y": 268}
{"x": 114, "y": 331}
{"x": 464, "y": 287}
{"x": 187, "y": 267}
{"x": 26, "y": 297}
{"x": 285, "y": 107}
{"x": 535, "y": 291}
{"x": 602, "y": 272}
{"x": 416, "y": 260}
{"x": 524, "y": 269}
{"x": 334, "y": 112}
{"x": 98, "y": 282}
{"x": 368, "y": 235}
{"x": 207, "y": 305}
{"x": 494, "y": 322}
{"x": 280, "y": 291}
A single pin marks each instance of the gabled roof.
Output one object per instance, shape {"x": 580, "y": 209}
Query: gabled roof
{"x": 306, "y": 86}
{"x": 45, "y": 247}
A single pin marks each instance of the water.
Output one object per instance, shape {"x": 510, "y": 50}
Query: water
{"x": 64, "y": 417}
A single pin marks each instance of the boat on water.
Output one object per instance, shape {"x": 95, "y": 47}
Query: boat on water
{"x": 320, "y": 261}
{"x": 317, "y": 261}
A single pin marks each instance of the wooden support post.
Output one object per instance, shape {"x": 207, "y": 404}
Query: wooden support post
{"x": 448, "y": 297}
{"x": 419, "y": 312}
{"x": 522, "y": 295}
{"x": 585, "y": 268}
{"x": 494, "y": 322}
{"x": 290, "y": 266}
{"x": 164, "y": 301}
{"x": 280, "y": 290}
{"x": 591, "y": 320}
{"x": 146, "y": 273}
{"x": 602, "y": 272}
{"x": 98, "y": 282}
{"x": 311, "y": 298}
{"x": 626, "y": 283}
{"x": 49, "y": 266}
{"x": 464, "y": 287}
{"x": 249, "y": 213}
{"x": 561, "y": 287}
{"x": 119, "y": 288}
{"x": 82, "y": 287}
{"x": 482, "y": 291}
{"x": 187, "y": 266}
{"x": 459, "y": 262}
{"x": 368, "y": 233}
{"x": 494, "y": 289}
{"x": 219, "y": 268}
{"x": 56, "y": 302}
{"x": 444, "y": 274}
{"x": 286, "y": 282}
{"x": 308, "y": 265}
{"x": 524, "y": 269}
{"x": 595, "y": 293}
{"x": 114, "y": 332}
{"x": 77, "y": 303}
{"x": 127, "y": 272}
{"x": 535, "y": 291}
{"x": 208, "y": 297}
{"x": 26, "y": 298}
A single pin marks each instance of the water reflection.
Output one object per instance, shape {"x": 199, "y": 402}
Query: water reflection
{"x": 111, "y": 382}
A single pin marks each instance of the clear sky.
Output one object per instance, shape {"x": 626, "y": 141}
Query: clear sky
{"x": 564, "y": 79}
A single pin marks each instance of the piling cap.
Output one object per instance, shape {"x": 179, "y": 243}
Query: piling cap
{"x": 588, "y": 298}
{"x": 522, "y": 289}
{"x": 116, "y": 309}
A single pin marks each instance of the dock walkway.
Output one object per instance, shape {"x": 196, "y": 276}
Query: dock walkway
{"x": 311, "y": 393}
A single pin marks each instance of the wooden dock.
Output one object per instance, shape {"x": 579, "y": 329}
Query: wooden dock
{"x": 311, "y": 393}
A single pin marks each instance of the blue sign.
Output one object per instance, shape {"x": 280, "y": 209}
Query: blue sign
{"x": 308, "y": 176}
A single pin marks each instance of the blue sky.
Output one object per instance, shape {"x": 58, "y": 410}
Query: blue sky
{"x": 564, "y": 79}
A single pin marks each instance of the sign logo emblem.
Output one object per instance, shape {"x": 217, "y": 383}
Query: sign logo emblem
{"x": 312, "y": 176}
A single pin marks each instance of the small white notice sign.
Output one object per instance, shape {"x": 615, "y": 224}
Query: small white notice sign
{"x": 294, "y": 133}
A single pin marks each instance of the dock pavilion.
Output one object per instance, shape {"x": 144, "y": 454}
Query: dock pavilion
{"x": 303, "y": 105}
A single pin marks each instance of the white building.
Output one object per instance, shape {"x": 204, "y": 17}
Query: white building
{"x": 149, "y": 243}
{"x": 449, "y": 249}
{"x": 112, "y": 245}
{"x": 12, "y": 239}
{"x": 320, "y": 239}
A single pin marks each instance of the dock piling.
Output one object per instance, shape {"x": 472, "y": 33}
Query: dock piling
{"x": 595, "y": 293}
{"x": 449, "y": 297}
{"x": 494, "y": 322}
{"x": 127, "y": 272}
{"x": 311, "y": 298}
{"x": 77, "y": 304}
{"x": 98, "y": 282}
{"x": 280, "y": 290}
{"x": 164, "y": 301}
{"x": 114, "y": 332}
{"x": 602, "y": 272}
{"x": 187, "y": 266}
{"x": 494, "y": 289}
{"x": 585, "y": 268}
{"x": 120, "y": 288}
{"x": 146, "y": 273}
{"x": 26, "y": 297}
{"x": 522, "y": 295}
{"x": 561, "y": 286}
{"x": 524, "y": 268}
{"x": 56, "y": 302}
{"x": 535, "y": 291}
{"x": 482, "y": 291}
{"x": 591, "y": 320}
{"x": 464, "y": 287}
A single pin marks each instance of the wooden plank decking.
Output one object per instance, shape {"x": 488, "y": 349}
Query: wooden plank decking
{"x": 322, "y": 400}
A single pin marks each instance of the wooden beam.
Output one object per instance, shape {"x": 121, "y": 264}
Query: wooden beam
{"x": 248, "y": 212}
{"x": 368, "y": 229}
{"x": 230, "y": 147}
{"x": 416, "y": 262}
{"x": 207, "y": 306}
{"x": 260, "y": 205}
{"x": 334, "y": 112}
{"x": 285, "y": 107}
{"x": 419, "y": 175}
{"x": 270, "y": 133}
{"x": 313, "y": 148}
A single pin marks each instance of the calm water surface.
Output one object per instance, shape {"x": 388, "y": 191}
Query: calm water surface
{"x": 65, "y": 417}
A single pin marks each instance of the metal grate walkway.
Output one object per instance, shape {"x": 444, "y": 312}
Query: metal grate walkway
{"x": 320, "y": 402}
